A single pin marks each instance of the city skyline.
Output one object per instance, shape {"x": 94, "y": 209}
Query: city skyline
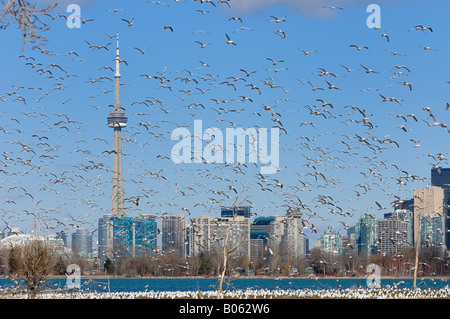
{"x": 337, "y": 160}
{"x": 398, "y": 230}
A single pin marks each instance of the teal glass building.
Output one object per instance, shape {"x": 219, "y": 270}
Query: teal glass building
{"x": 366, "y": 235}
{"x": 134, "y": 237}
{"x": 432, "y": 232}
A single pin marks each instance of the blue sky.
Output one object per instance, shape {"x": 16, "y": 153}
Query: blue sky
{"x": 76, "y": 181}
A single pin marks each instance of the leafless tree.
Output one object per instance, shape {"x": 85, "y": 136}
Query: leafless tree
{"x": 227, "y": 250}
{"x": 36, "y": 264}
{"x": 27, "y": 17}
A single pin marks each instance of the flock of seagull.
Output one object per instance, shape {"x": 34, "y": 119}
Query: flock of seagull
{"x": 58, "y": 177}
{"x": 389, "y": 292}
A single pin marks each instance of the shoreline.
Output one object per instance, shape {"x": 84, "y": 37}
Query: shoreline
{"x": 249, "y": 277}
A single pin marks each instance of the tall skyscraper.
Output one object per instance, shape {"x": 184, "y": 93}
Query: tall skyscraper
{"x": 366, "y": 235}
{"x": 104, "y": 245}
{"x": 296, "y": 241}
{"x": 117, "y": 119}
{"x": 432, "y": 232}
{"x": 427, "y": 201}
{"x": 173, "y": 232}
{"x": 441, "y": 178}
{"x": 288, "y": 234}
{"x": 82, "y": 242}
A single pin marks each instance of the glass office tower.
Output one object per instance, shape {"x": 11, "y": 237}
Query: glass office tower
{"x": 133, "y": 237}
{"x": 441, "y": 178}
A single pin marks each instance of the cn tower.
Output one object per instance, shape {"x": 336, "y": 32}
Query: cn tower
{"x": 117, "y": 119}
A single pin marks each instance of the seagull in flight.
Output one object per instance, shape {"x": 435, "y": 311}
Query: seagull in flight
{"x": 357, "y": 47}
{"x": 385, "y": 36}
{"x": 142, "y": 51}
{"x": 428, "y": 48}
{"x": 130, "y": 23}
{"x": 277, "y": 20}
{"x": 333, "y": 8}
{"x": 229, "y": 41}
{"x": 379, "y": 206}
{"x": 389, "y": 99}
{"x": 307, "y": 52}
{"x": 416, "y": 143}
{"x": 348, "y": 69}
{"x": 421, "y": 28}
{"x": 331, "y": 86}
{"x": 115, "y": 10}
{"x": 369, "y": 70}
{"x": 202, "y": 45}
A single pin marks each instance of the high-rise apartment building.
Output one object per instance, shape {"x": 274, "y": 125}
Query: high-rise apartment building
{"x": 105, "y": 239}
{"x": 407, "y": 216}
{"x": 173, "y": 230}
{"x": 393, "y": 236}
{"x": 63, "y": 236}
{"x": 427, "y": 201}
{"x": 212, "y": 233}
{"x": 288, "y": 234}
{"x": 332, "y": 242}
{"x": 82, "y": 242}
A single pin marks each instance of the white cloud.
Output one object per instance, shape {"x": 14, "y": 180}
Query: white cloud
{"x": 308, "y": 7}
{"x": 305, "y": 6}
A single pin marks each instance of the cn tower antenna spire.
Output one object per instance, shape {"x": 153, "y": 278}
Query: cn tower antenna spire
{"x": 117, "y": 56}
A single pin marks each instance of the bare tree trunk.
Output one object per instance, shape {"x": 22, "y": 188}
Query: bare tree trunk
{"x": 224, "y": 266}
{"x": 226, "y": 252}
{"x": 417, "y": 244}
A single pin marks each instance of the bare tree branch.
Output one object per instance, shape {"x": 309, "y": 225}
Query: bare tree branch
{"x": 26, "y": 16}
